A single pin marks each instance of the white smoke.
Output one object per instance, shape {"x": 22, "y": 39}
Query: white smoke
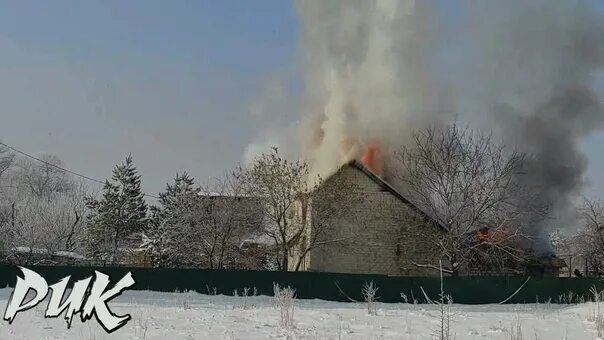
{"x": 272, "y": 111}
{"x": 374, "y": 70}
{"x": 368, "y": 77}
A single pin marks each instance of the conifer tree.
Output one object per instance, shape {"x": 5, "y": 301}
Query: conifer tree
{"x": 173, "y": 231}
{"x": 120, "y": 212}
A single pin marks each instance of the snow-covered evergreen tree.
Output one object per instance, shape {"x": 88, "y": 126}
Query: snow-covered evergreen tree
{"x": 174, "y": 233}
{"x": 201, "y": 227}
{"x": 120, "y": 212}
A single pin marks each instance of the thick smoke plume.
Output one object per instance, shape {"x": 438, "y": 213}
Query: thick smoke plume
{"x": 376, "y": 70}
{"x": 369, "y": 76}
{"x": 533, "y": 65}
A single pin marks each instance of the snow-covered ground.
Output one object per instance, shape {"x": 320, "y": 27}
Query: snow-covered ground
{"x": 175, "y": 316}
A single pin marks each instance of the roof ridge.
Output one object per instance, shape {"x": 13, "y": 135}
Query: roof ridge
{"x": 390, "y": 188}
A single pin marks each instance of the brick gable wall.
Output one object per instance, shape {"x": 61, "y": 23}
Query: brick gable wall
{"x": 381, "y": 235}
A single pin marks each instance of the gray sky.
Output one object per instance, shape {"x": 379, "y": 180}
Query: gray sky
{"x": 173, "y": 85}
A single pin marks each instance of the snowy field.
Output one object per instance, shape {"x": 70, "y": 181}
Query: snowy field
{"x": 177, "y": 316}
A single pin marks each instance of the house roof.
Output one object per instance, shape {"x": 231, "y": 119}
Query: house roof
{"x": 389, "y": 188}
{"x": 552, "y": 261}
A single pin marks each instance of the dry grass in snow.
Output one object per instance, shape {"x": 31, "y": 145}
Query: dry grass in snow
{"x": 190, "y": 315}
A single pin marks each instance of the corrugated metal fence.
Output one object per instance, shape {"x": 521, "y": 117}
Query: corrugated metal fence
{"x": 329, "y": 286}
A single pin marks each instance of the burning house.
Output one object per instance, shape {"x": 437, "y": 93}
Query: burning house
{"x": 383, "y": 232}
{"x": 500, "y": 252}
{"x": 372, "y": 71}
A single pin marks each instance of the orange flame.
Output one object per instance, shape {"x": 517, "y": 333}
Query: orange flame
{"x": 372, "y": 159}
{"x": 486, "y": 235}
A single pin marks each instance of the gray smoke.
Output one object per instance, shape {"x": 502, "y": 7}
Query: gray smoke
{"x": 531, "y": 70}
{"x": 524, "y": 69}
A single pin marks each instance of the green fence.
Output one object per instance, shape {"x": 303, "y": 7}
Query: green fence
{"x": 327, "y": 286}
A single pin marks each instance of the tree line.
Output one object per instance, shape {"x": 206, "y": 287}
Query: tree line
{"x": 257, "y": 216}
{"x": 245, "y": 219}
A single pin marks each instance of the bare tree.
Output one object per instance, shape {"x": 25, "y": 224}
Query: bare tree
{"x": 65, "y": 219}
{"x": 6, "y": 205}
{"x": 467, "y": 182}
{"x": 44, "y": 178}
{"x": 227, "y": 216}
{"x": 52, "y": 223}
{"x": 280, "y": 184}
{"x": 590, "y": 239}
{"x": 42, "y": 208}
{"x": 49, "y": 224}
{"x": 286, "y": 190}
{"x": 7, "y": 159}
